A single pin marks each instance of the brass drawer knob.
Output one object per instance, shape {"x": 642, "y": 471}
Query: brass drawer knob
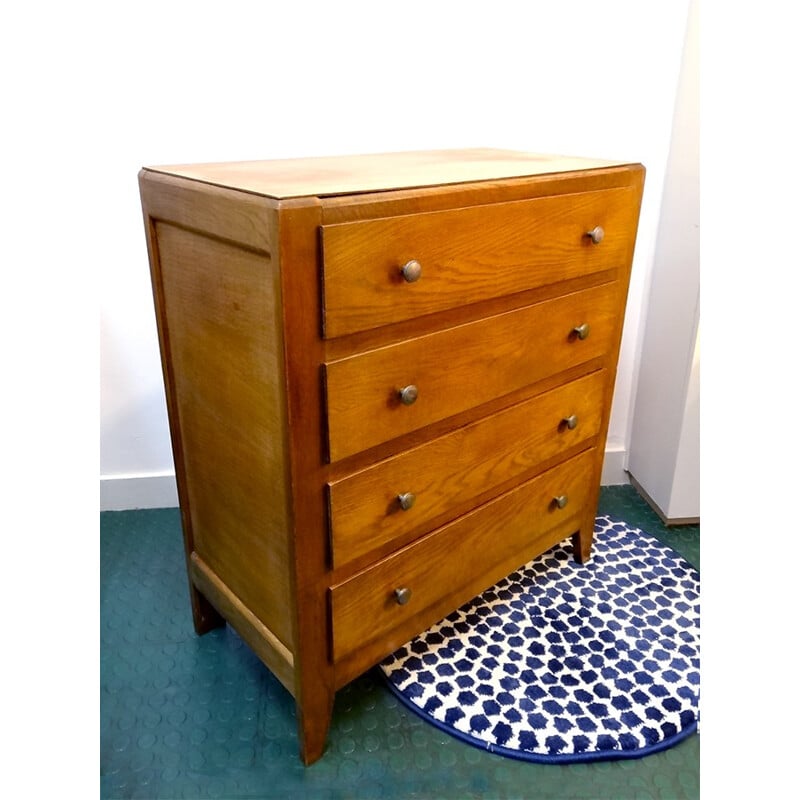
{"x": 408, "y": 394}
{"x": 402, "y": 595}
{"x": 411, "y": 271}
{"x": 581, "y": 331}
{"x": 406, "y": 500}
{"x": 596, "y": 234}
{"x": 560, "y": 501}
{"x": 570, "y": 422}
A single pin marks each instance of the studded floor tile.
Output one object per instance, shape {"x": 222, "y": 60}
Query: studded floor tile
{"x": 184, "y": 716}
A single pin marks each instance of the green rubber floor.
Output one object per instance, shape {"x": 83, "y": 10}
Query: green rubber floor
{"x": 183, "y": 716}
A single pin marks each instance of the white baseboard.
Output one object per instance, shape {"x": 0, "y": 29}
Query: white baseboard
{"x": 614, "y": 466}
{"x": 158, "y": 490}
{"x": 127, "y": 492}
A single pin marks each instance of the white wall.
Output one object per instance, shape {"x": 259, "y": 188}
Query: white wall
{"x": 664, "y": 443}
{"x": 183, "y": 82}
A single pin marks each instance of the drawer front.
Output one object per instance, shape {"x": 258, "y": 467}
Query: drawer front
{"x": 467, "y": 255}
{"x": 374, "y": 506}
{"x": 443, "y": 564}
{"x": 462, "y": 367}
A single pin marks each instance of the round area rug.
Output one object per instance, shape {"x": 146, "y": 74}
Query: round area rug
{"x": 563, "y": 662}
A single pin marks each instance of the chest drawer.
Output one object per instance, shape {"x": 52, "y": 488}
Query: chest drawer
{"x": 463, "y": 256}
{"x": 400, "y": 589}
{"x": 406, "y": 492}
{"x": 453, "y": 370}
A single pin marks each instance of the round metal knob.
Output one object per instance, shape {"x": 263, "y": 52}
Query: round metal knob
{"x": 402, "y": 595}
{"x": 411, "y": 271}
{"x": 408, "y": 394}
{"x": 582, "y": 330}
{"x": 406, "y": 500}
{"x": 560, "y": 501}
{"x": 596, "y": 234}
{"x": 571, "y": 422}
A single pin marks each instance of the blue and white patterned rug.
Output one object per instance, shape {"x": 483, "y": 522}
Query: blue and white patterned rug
{"x": 563, "y": 662}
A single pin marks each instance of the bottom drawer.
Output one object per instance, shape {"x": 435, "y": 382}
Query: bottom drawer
{"x": 390, "y": 594}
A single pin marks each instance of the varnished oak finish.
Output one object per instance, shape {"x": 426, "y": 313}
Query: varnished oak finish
{"x": 451, "y": 470}
{"x": 365, "y": 608}
{"x": 522, "y": 244}
{"x": 485, "y": 359}
{"x": 330, "y": 176}
{"x": 287, "y": 331}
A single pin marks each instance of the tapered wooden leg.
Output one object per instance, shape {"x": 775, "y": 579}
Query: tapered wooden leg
{"x": 313, "y": 723}
{"x": 204, "y": 615}
{"x": 582, "y": 538}
{"x": 582, "y": 545}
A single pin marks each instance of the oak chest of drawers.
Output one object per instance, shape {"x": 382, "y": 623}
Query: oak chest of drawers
{"x": 389, "y": 380}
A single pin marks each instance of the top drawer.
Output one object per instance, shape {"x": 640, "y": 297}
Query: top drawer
{"x": 467, "y": 255}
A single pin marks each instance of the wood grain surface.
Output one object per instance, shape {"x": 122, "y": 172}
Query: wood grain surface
{"x": 378, "y": 172}
{"x": 365, "y": 608}
{"x": 286, "y": 334}
{"x": 461, "y": 367}
{"x": 447, "y": 472}
{"x": 467, "y": 255}
{"x": 223, "y": 320}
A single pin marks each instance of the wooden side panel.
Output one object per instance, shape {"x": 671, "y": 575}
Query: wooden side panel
{"x": 222, "y": 317}
{"x": 520, "y": 245}
{"x": 462, "y": 367}
{"x": 449, "y": 471}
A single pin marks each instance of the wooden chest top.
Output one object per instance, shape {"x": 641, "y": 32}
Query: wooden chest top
{"x": 330, "y": 176}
